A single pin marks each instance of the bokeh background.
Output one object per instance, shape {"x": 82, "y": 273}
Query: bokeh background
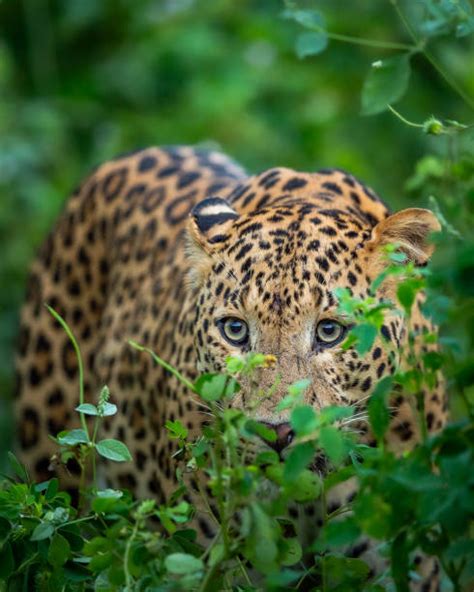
{"x": 81, "y": 81}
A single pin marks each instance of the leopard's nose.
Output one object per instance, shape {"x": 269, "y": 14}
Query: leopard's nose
{"x": 284, "y": 436}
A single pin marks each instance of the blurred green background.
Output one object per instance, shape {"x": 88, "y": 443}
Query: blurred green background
{"x": 81, "y": 81}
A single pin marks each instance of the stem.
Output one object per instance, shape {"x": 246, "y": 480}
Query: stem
{"x": 421, "y": 410}
{"x": 205, "y": 501}
{"x": 211, "y": 546}
{"x": 164, "y": 365}
{"x": 82, "y": 478}
{"x": 429, "y": 56}
{"x": 450, "y": 81}
{"x": 244, "y": 571}
{"x": 25, "y": 577}
{"x": 128, "y": 577}
{"x": 401, "y": 118}
{"x": 208, "y": 579}
{"x": 79, "y": 520}
{"x": 468, "y": 404}
{"x": 325, "y": 516}
{"x": 216, "y": 461}
{"x": 367, "y": 42}
{"x": 94, "y": 436}
{"x": 77, "y": 351}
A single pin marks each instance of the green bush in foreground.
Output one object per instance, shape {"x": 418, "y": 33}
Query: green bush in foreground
{"x": 422, "y": 500}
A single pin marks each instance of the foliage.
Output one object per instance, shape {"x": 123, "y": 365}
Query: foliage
{"x": 421, "y": 501}
{"x": 68, "y": 103}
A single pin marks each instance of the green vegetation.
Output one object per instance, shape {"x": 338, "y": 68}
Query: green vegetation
{"x": 419, "y": 502}
{"x": 386, "y": 92}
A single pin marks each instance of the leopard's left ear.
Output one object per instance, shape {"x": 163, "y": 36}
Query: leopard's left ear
{"x": 410, "y": 230}
{"x": 209, "y": 222}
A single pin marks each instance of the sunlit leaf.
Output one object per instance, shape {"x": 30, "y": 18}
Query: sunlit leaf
{"x": 113, "y": 450}
{"x": 385, "y": 84}
{"x": 379, "y": 414}
{"x": 59, "y": 550}
{"x": 182, "y": 563}
{"x": 311, "y": 43}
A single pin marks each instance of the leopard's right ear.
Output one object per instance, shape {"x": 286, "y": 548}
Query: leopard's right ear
{"x": 410, "y": 231}
{"x": 209, "y": 223}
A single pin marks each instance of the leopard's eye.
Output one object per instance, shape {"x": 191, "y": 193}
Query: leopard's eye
{"x": 234, "y": 330}
{"x": 329, "y": 333}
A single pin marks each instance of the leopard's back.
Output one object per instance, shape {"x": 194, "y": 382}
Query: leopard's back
{"x": 112, "y": 259}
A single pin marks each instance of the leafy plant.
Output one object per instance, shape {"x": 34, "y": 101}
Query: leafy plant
{"x": 418, "y": 502}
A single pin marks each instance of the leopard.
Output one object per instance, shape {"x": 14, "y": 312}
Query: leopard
{"x": 180, "y": 250}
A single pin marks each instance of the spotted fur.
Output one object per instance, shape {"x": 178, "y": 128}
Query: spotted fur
{"x": 157, "y": 246}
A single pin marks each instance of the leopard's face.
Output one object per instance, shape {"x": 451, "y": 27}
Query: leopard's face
{"x": 265, "y": 283}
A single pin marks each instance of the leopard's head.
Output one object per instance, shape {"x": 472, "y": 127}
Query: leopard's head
{"x": 265, "y": 282}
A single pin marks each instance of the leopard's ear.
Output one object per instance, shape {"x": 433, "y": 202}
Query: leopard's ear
{"x": 209, "y": 223}
{"x": 410, "y": 230}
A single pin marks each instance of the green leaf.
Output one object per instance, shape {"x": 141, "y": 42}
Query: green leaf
{"x": 113, "y": 450}
{"x": 52, "y": 489}
{"x": 407, "y": 291}
{"x": 275, "y": 473}
{"x": 332, "y": 442}
{"x": 385, "y": 84}
{"x": 213, "y": 387}
{"x": 373, "y": 514}
{"x": 7, "y": 563}
{"x": 182, "y": 563}
{"x": 311, "y": 43}
{"x": 333, "y": 413}
{"x": 297, "y": 460}
{"x": 291, "y": 552}
{"x": 73, "y": 437}
{"x": 295, "y": 395}
{"x": 397, "y": 257}
{"x": 379, "y": 414}
{"x": 43, "y": 531}
{"x": 255, "y": 428}
{"x": 344, "y": 574}
{"x": 107, "y": 409}
{"x": 87, "y": 409}
{"x": 466, "y": 27}
{"x": 283, "y": 579}
{"x": 261, "y": 541}
{"x": 17, "y": 467}
{"x": 176, "y": 430}
{"x": 298, "y": 388}
{"x": 463, "y": 547}
{"x": 267, "y": 457}
{"x": 338, "y": 533}
{"x": 217, "y": 554}
{"x": 100, "y": 562}
{"x": 303, "y": 420}
{"x": 365, "y": 334}
{"x": 234, "y": 364}
{"x": 400, "y": 562}
{"x": 311, "y": 19}
{"x": 59, "y": 515}
{"x": 306, "y": 488}
{"x": 106, "y": 500}
{"x": 59, "y": 550}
